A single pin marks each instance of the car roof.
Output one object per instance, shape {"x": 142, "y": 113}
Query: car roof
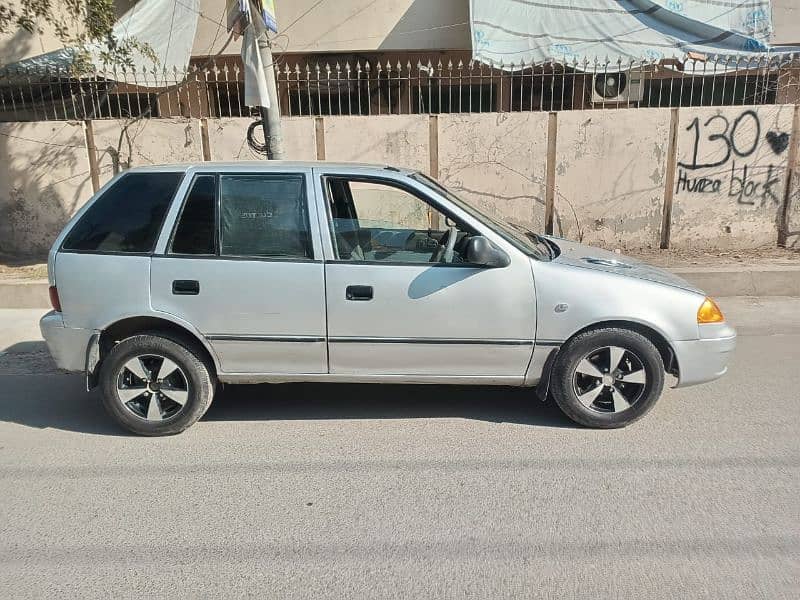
{"x": 267, "y": 165}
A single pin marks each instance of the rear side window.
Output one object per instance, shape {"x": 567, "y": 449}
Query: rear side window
{"x": 127, "y": 217}
{"x": 264, "y": 215}
{"x": 195, "y": 231}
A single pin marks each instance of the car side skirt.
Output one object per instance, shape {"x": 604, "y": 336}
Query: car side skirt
{"x": 248, "y": 378}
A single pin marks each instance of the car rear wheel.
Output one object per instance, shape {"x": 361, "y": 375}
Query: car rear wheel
{"x": 607, "y": 378}
{"x": 155, "y": 385}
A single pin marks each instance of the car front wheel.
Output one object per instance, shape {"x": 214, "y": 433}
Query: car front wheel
{"x": 155, "y": 385}
{"x": 607, "y": 378}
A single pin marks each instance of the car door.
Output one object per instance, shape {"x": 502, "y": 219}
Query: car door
{"x": 397, "y": 306}
{"x": 243, "y": 266}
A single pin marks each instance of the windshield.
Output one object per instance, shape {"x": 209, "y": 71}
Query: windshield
{"x": 520, "y": 237}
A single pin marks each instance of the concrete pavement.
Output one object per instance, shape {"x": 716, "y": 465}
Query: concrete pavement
{"x": 300, "y": 491}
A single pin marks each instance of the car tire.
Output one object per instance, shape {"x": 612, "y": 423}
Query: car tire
{"x": 155, "y": 384}
{"x": 607, "y": 378}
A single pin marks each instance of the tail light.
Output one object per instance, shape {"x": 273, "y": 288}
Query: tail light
{"x": 55, "y": 301}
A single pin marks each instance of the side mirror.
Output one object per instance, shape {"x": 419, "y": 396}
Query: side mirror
{"x": 480, "y": 251}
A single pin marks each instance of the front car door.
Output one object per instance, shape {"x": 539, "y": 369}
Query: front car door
{"x": 243, "y": 265}
{"x": 401, "y": 298}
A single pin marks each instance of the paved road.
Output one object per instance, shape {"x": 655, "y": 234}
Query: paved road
{"x": 309, "y": 491}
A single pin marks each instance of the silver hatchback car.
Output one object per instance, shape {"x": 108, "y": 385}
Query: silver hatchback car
{"x": 175, "y": 278}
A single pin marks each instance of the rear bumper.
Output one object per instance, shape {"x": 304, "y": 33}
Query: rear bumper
{"x": 67, "y": 345}
{"x": 705, "y": 359}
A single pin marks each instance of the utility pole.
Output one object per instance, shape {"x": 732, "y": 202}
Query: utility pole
{"x": 270, "y": 117}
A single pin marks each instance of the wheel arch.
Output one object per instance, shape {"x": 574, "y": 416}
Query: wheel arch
{"x": 656, "y": 337}
{"x": 131, "y": 325}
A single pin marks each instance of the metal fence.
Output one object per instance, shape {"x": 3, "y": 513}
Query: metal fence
{"x": 378, "y": 85}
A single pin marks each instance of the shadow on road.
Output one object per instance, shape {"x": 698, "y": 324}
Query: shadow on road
{"x": 36, "y": 395}
{"x": 383, "y": 401}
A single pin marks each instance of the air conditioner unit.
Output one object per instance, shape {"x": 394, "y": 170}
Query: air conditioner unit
{"x": 617, "y": 87}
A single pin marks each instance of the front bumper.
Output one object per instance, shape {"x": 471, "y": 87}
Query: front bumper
{"x": 67, "y": 345}
{"x": 705, "y": 359}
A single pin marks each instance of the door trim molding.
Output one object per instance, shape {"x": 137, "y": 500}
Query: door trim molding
{"x": 422, "y": 340}
{"x": 223, "y": 337}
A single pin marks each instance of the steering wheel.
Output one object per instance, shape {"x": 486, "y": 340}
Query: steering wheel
{"x": 444, "y": 252}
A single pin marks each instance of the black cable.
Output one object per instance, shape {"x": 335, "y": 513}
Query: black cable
{"x": 251, "y": 141}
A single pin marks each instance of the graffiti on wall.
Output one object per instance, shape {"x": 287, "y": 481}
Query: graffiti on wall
{"x": 728, "y": 147}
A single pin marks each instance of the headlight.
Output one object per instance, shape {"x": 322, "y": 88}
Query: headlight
{"x": 709, "y": 312}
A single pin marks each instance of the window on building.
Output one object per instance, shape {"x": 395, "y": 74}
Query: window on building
{"x": 719, "y": 90}
{"x": 264, "y": 216}
{"x": 436, "y": 98}
{"x": 226, "y": 99}
{"x": 127, "y": 217}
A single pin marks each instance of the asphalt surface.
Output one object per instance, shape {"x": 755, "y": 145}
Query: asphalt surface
{"x": 312, "y": 491}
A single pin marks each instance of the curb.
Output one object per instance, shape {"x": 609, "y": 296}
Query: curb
{"x": 715, "y": 281}
{"x": 31, "y": 293}
{"x": 743, "y": 281}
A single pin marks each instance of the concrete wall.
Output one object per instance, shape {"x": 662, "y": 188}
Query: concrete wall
{"x": 44, "y": 179}
{"x": 146, "y": 142}
{"x": 497, "y": 162}
{"x": 730, "y": 176}
{"x": 352, "y": 26}
{"x": 610, "y": 167}
{"x": 785, "y": 22}
{"x": 400, "y": 140}
{"x": 227, "y": 139}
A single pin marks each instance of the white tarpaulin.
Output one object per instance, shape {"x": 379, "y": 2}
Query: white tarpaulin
{"x": 168, "y": 27}
{"x": 573, "y": 31}
{"x": 255, "y": 81}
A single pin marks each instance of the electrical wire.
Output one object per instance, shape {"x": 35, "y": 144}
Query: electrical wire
{"x": 255, "y": 146}
{"x": 19, "y": 137}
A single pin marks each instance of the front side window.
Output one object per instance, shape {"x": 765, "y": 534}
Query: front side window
{"x": 127, "y": 217}
{"x": 264, "y": 216}
{"x": 520, "y": 237}
{"x": 378, "y": 221}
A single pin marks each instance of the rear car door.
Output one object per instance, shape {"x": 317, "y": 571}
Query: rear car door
{"x": 243, "y": 265}
{"x": 402, "y": 301}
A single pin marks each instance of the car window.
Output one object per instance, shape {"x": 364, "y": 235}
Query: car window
{"x": 127, "y": 217}
{"x": 377, "y": 221}
{"x": 520, "y": 237}
{"x": 195, "y": 231}
{"x": 264, "y": 215}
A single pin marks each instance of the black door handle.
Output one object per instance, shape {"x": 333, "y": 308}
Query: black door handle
{"x": 359, "y": 292}
{"x": 185, "y": 287}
